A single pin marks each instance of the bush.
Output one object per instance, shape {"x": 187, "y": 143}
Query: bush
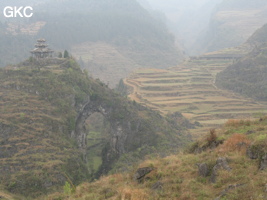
{"x": 212, "y": 136}
{"x": 237, "y": 142}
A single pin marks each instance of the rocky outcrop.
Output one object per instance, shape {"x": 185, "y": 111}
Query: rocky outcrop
{"x": 252, "y": 154}
{"x": 226, "y": 190}
{"x": 157, "y": 186}
{"x": 221, "y": 163}
{"x": 263, "y": 164}
{"x": 203, "y": 169}
{"x": 128, "y": 131}
{"x": 141, "y": 173}
{"x": 120, "y": 137}
{"x": 199, "y": 149}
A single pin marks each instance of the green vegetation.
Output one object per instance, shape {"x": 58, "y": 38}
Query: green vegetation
{"x": 43, "y": 104}
{"x": 66, "y": 54}
{"x": 177, "y": 176}
{"x": 248, "y": 75}
{"x": 36, "y": 150}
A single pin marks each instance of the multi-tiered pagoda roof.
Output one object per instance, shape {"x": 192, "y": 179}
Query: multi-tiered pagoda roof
{"x": 41, "y": 49}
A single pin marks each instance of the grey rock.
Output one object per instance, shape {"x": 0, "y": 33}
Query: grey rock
{"x": 251, "y": 154}
{"x": 226, "y": 190}
{"x": 198, "y": 150}
{"x": 157, "y": 186}
{"x": 141, "y": 173}
{"x": 221, "y": 163}
{"x": 203, "y": 169}
{"x": 263, "y": 164}
{"x": 47, "y": 184}
{"x": 250, "y": 132}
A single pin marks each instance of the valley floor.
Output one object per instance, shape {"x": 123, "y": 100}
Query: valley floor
{"x": 190, "y": 89}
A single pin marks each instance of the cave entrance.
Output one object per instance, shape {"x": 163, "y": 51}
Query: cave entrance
{"x": 97, "y": 129}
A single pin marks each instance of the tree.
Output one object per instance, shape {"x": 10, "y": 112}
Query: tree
{"x": 66, "y": 54}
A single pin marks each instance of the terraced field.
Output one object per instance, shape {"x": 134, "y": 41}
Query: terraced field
{"x": 190, "y": 89}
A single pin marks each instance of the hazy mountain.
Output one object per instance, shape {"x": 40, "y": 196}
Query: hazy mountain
{"x": 248, "y": 75}
{"x": 259, "y": 37}
{"x": 186, "y": 19}
{"x": 233, "y": 22}
{"x": 123, "y": 25}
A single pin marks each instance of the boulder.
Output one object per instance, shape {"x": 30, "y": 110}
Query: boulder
{"x": 226, "y": 190}
{"x": 157, "y": 186}
{"x": 252, "y": 154}
{"x": 263, "y": 164}
{"x": 203, "y": 169}
{"x": 221, "y": 163}
{"x": 250, "y": 132}
{"x": 141, "y": 173}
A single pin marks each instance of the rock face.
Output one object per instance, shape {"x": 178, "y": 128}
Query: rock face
{"x": 221, "y": 163}
{"x": 128, "y": 129}
{"x": 203, "y": 169}
{"x": 119, "y": 135}
{"x": 141, "y": 173}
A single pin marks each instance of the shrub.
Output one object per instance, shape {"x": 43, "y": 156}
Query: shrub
{"x": 67, "y": 188}
{"x": 212, "y": 136}
{"x": 237, "y": 142}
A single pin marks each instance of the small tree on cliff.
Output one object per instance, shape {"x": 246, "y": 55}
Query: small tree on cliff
{"x": 66, "y": 54}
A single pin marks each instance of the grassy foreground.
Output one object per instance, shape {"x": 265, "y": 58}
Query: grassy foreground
{"x": 177, "y": 176}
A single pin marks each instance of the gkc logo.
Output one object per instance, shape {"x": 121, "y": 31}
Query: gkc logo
{"x": 18, "y": 11}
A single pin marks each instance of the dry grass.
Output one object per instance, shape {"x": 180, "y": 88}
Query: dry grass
{"x": 237, "y": 122}
{"x": 212, "y": 136}
{"x": 236, "y": 142}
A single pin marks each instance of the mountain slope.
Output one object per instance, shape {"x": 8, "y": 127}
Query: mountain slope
{"x": 44, "y": 140}
{"x": 248, "y": 75}
{"x": 124, "y": 25}
{"x": 229, "y": 163}
{"x": 233, "y": 22}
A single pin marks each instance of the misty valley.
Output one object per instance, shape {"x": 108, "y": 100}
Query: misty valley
{"x": 133, "y": 100}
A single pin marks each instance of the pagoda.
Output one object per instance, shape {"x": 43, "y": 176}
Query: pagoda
{"x": 41, "y": 50}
